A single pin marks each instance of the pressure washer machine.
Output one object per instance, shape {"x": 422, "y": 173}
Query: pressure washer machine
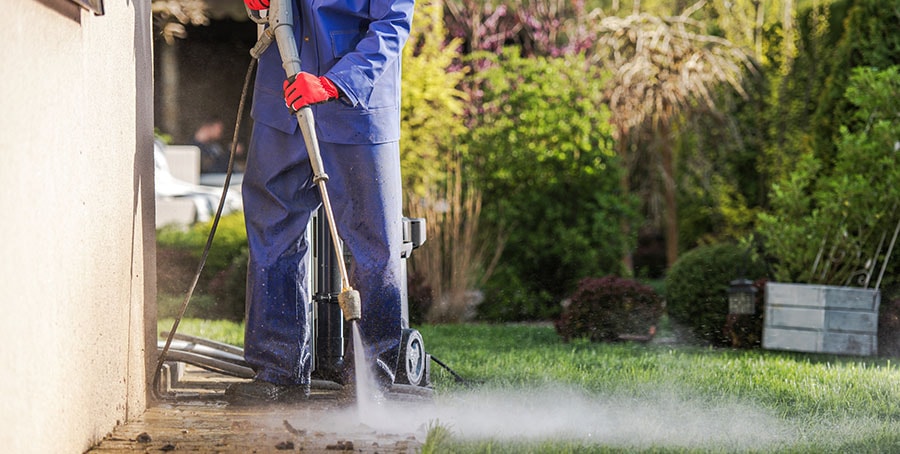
{"x": 330, "y": 332}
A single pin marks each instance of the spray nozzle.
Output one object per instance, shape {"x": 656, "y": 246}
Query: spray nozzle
{"x": 349, "y": 301}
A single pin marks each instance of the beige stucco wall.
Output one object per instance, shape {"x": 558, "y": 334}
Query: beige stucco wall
{"x": 77, "y": 253}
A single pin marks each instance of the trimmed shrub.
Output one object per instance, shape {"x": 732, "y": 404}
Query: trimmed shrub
{"x": 610, "y": 309}
{"x": 697, "y": 288}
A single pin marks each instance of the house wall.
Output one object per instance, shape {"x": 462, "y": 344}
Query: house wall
{"x": 77, "y": 254}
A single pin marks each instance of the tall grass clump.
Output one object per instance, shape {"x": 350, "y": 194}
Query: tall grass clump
{"x": 455, "y": 260}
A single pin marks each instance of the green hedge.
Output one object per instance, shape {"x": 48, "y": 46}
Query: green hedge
{"x": 697, "y": 288}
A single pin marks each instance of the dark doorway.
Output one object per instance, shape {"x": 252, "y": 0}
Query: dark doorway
{"x": 201, "y": 76}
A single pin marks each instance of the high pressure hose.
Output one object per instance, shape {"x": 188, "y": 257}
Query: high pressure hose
{"x": 456, "y": 377}
{"x": 212, "y": 232}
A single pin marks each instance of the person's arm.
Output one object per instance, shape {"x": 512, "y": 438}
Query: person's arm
{"x": 356, "y": 72}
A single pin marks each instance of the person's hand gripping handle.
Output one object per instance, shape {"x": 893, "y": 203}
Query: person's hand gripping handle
{"x": 304, "y": 89}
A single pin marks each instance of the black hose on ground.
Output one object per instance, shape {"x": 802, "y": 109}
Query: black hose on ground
{"x": 458, "y": 378}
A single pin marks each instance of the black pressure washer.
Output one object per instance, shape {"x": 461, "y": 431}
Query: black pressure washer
{"x": 329, "y": 327}
{"x": 330, "y": 332}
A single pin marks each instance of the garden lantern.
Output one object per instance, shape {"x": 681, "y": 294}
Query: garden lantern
{"x": 741, "y": 297}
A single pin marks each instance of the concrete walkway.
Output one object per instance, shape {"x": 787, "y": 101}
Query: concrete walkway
{"x": 196, "y": 418}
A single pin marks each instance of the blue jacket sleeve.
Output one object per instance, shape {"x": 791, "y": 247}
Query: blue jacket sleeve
{"x": 380, "y": 48}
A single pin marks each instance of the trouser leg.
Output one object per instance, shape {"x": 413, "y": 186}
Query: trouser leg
{"x": 278, "y": 199}
{"x": 365, "y": 187}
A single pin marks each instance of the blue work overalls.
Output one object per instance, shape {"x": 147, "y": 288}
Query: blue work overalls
{"x": 357, "y": 44}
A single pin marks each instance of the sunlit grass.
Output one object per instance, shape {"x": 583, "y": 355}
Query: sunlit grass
{"x": 225, "y": 331}
{"x": 833, "y": 403}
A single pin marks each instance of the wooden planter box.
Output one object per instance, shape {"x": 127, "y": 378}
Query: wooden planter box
{"x": 821, "y": 319}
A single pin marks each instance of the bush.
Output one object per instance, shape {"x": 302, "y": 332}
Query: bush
{"x": 432, "y": 106}
{"x": 541, "y": 151}
{"x": 507, "y": 298}
{"x": 697, "y": 288}
{"x": 221, "y": 290}
{"x": 828, "y": 217}
{"x": 610, "y": 309}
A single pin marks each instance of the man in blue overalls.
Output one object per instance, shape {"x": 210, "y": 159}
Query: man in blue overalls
{"x": 350, "y": 54}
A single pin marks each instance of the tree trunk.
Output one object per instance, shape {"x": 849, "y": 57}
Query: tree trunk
{"x": 671, "y": 204}
{"x": 624, "y": 185}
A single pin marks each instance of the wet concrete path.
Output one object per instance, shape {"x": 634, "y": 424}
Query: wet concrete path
{"x": 196, "y": 418}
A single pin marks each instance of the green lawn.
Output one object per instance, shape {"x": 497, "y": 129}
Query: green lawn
{"x": 529, "y": 392}
{"x": 748, "y": 399}
{"x": 218, "y": 330}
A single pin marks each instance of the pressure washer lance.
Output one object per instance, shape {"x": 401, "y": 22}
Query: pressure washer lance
{"x": 280, "y": 21}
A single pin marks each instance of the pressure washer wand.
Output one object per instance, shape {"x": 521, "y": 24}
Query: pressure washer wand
{"x": 280, "y": 22}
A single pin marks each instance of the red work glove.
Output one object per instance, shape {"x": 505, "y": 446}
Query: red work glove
{"x": 305, "y": 89}
{"x": 257, "y": 5}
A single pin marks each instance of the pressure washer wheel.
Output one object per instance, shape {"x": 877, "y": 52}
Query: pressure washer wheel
{"x": 413, "y": 367}
{"x": 412, "y": 381}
